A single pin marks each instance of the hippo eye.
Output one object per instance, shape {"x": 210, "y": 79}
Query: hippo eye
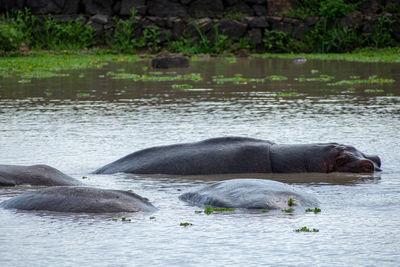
{"x": 342, "y": 159}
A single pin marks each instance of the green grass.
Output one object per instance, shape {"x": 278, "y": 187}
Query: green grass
{"x": 47, "y": 65}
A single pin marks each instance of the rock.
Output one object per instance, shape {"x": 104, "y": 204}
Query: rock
{"x": 353, "y": 20}
{"x": 396, "y": 30}
{"x": 255, "y": 36}
{"x": 100, "y": 19}
{"x": 45, "y": 7}
{"x": 242, "y": 8}
{"x": 9, "y": 5}
{"x": 127, "y": 5}
{"x": 232, "y": 28}
{"x": 260, "y": 10}
{"x": 165, "y": 8}
{"x": 93, "y": 7}
{"x": 311, "y": 21}
{"x": 178, "y": 28}
{"x": 256, "y": 22}
{"x": 170, "y": 62}
{"x": 79, "y": 199}
{"x": 71, "y": 7}
{"x": 203, "y": 24}
{"x": 206, "y": 8}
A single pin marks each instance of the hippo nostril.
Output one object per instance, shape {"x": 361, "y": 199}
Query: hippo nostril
{"x": 374, "y": 159}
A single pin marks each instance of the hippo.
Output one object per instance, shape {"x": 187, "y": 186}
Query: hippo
{"x": 250, "y": 194}
{"x": 228, "y": 155}
{"x": 170, "y": 62}
{"x": 12, "y": 175}
{"x": 79, "y": 199}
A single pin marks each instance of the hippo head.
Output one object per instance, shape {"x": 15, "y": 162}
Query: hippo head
{"x": 349, "y": 159}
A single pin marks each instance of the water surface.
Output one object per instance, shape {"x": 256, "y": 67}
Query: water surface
{"x": 81, "y": 122}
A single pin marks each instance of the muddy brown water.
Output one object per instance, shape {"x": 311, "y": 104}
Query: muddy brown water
{"x": 81, "y": 122}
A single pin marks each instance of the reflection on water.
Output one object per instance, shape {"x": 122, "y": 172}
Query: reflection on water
{"x": 81, "y": 122}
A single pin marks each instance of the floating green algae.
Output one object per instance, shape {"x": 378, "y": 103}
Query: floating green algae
{"x": 321, "y": 78}
{"x": 315, "y": 210}
{"x": 305, "y": 229}
{"x": 182, "y": 86}
{"x": 373, "y": 79}
{"x": 155, "y": 78}
{"x": 208, "y": 210}
{"x": 47, "y": 65}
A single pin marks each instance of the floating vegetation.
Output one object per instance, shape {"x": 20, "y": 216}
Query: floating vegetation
{"x": 371, "y": 79}
{"x": 290, "y": 202}
{"x": 129, "y": 190}
{"x": 124, "y": 219}
{"x": 289, "y": 94}
{"x": 152, "y": 218}
{"x": 198, "y": 211}
{"x": 114, "y": 219}
{"x": 208, "y": 210}
{"x": 314, "y": 71}
{"x": 185, "y": 224}
{"x": 182, "y": 86}
{"x": 84, "y": 177}
{"x": 82, "y": 94}
{"x": 231, "y": 59}
{"x": 237, "y": 79}
{"x": 305, "y": 229}
{"x": 315, "y": 210}
{"x": 47, "y": 65}
{"x": 24, "y": 81}
{"x": 276, "y": 78}
{"x": 321, "y": 78}
{"x": 388, "y": 54}
{"x": 264, "y": 210}
{"x": 156, "y": 73}
{"x": 148, "y": 78}
{"x": 288, "y": 210}
{"x": 374, "y": 90}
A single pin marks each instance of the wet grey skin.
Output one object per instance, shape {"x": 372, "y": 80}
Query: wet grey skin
{"x": 250, "y": 194}
{"x": 12, "y": 175}
{"x": 78, "y": 199}
{"x": 228, "y": 155}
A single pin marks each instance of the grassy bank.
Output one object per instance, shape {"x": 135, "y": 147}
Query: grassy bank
{"x": 42, "y": 64}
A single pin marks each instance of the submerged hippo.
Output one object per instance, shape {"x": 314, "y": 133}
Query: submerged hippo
{"x": 79, "y": 199}
{"x": 243, "y": 155}
{"x": 249, "y": 194}
{"x": 11, "y": 175}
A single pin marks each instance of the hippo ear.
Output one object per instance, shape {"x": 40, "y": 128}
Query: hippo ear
{"x": 365, "y": 165}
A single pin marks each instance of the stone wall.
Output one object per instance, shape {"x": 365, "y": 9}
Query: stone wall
{"x": 175, "y": 18}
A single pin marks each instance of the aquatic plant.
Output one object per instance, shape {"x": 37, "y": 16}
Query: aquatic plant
{"x": 289, "y": 94}
{"x": 152, "y": 218}
{"x": 81, "y": 94}
{"x": 231, "y": 59}
{"x": 371, "y": 80}
{"x": 276, "y": 78}
{"x": 208, "y": 210}
{"x": 124, "y": 219}
{"x": 288, "y": 210}
{"x": 182, "y": 86}
{"x": 198, "y": 211}
{"x": 321, "y": 78}
{"x": 374, "y": 90}
{"x": 290, "y": 202}
{"x": 48, "y": 65}
{"x": 305, "y": 229}
{"x": 237, "y": 79}
{"x": 114, "y": 219}
{"x": 185, "y": 224}
{"x": 264, "y": 210}
{"x": 315, "y": 210}
{"x": 84, "y": 177}
{"x": 155, "y": 78}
